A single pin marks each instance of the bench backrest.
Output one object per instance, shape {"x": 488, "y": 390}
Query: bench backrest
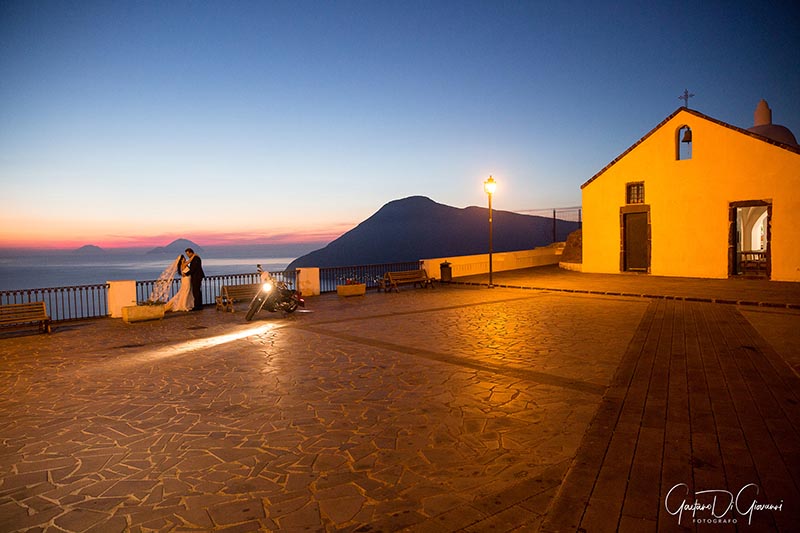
{"x": 30, "y": 312}
{"x": 407, "y": 275}
{"x": 241, "y": 291}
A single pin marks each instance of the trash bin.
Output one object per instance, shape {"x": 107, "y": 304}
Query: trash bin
{"x": 446, "y": 271}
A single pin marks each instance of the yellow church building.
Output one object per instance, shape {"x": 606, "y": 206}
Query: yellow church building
{"x": 697, "y": 197}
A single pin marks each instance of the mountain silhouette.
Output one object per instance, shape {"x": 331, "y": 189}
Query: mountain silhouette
{"x": 89, "y": 249}
{"x": 176, "y": 247}
{"x": 417, "y": 227}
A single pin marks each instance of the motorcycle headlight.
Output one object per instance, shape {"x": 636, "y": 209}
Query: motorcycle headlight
{"x": 267, "y": 287}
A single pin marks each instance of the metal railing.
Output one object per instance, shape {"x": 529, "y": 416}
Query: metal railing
{"x": 565, "y": 220}
{"x": 91, "y": 301}
{"x": 212, "y": 285}
{"x": 64, "y": 303}
{"x": 330, "y": 277}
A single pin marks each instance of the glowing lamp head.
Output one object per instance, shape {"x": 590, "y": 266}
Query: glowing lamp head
{"x": 489, "y": 185}
{"x": 267, "y": 287}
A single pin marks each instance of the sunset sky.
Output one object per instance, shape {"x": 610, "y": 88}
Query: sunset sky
{"x": 135, "y": 123}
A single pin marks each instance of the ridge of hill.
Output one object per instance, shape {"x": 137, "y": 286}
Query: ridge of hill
{"x": 177, "y": 247}
{"x": 89, "y": 249}
{"x": 417, "y": 227}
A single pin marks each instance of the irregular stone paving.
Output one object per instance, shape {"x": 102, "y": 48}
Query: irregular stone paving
{"x": 454, "y": 409}
{"x": 432, "y": 410}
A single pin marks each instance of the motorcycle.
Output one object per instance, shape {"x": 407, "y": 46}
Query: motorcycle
{"x": 274, "y": 296}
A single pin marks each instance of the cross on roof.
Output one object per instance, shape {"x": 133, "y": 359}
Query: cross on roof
{"x": 685, "y": 97}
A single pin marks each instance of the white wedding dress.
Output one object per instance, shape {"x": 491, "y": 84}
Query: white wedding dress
{"x": 183, "y": 299}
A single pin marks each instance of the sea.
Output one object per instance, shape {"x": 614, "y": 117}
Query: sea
{"x": 47, "y": 269}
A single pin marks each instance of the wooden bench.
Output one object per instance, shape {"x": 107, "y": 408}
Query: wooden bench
{"x": 392, "y": 279}
{"x": 233, "y": 294}
{"x": 29, "y": 313}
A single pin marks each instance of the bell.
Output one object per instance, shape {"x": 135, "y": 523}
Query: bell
{"x": 687, "y": 136}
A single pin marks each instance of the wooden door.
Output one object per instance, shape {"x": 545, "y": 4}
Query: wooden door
{"x": 637, "y": 246}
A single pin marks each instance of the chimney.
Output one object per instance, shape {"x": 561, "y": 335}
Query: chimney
{"x": 763, "y": 114}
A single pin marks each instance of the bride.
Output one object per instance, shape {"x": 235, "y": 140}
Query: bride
{"x": 183, "y": 299}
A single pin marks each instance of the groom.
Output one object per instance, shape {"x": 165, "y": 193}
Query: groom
{"x": 197, "y": 275}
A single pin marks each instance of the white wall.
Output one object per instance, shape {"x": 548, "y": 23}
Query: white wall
{"x": 120, "y": 294}
{"x": 468, "y": 265}
{"x": 308, "y": 281}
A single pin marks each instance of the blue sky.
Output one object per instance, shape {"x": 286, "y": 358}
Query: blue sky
{"x": 131, "y": 122}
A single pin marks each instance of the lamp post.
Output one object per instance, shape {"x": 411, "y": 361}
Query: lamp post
{"x": 489, "y": 186}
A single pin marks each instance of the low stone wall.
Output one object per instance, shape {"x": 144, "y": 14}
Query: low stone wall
{"x": 468, "y": 265}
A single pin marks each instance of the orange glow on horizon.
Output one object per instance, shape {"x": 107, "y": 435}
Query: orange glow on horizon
{"x": 22, "y": 240}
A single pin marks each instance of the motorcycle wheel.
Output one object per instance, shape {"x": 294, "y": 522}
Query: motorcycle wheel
{"x": 255, "y": 307}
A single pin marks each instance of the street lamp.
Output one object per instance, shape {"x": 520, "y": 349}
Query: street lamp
{"x": 489, "y": 186}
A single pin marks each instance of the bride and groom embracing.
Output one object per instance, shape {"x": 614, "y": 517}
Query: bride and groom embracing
{"x": 189, "y": 297}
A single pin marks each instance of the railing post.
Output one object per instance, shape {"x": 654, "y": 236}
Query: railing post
{"x": 121, "y": 293}
{"x": 308, "y": 281}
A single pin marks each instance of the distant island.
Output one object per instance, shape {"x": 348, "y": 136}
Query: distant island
{"x": 417, "y": 228}
{"x": 89, "y": 249}
{"x": 176, "y": 247}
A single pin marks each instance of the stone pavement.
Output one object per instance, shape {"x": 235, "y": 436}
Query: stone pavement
{"x": 744, "y": 292}
{"x": 453, "y": 409}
